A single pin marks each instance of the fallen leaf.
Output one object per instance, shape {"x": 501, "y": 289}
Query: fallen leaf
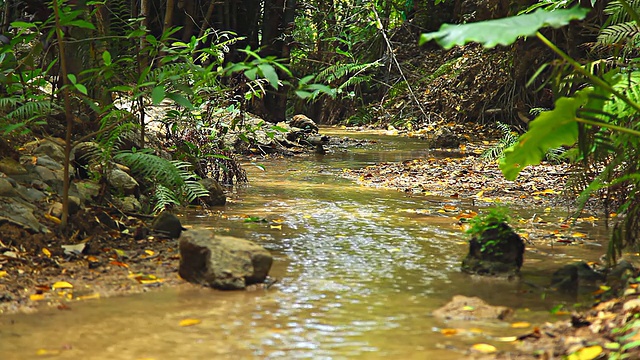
{"x": 46, "y": 252}
{"x": 61, "y": 285}
{"x": 449, "y": 332}
{"x": 118, "y": 263}
{"x": 47, "y": 352}
{"x": 89, "y": 297}
{"x": 586, "y": 353}
{"x": 52, "y": 218}
{"x": 578, "y": 235}
{"x": 190, "y": 322}
{"x": 150, "y": 252}
{"x": 279, "y": 227}
{"x": 507, "y": 338}
{"x": 484, "y": 348}
{"x": 520, "y": 325}
{"x": 36, "y": 297}
{"x": 3, "y": 274}
{"x": 75, "y": 249}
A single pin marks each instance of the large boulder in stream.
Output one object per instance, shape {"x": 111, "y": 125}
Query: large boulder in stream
{"x": 222, "y": 262}
{"x": 498, "y": 250}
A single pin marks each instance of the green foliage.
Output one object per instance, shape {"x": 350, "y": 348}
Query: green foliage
{"x": 507, "y": 140}
{"x": 551, "y": 129}
{"x": 502, "y": 31}
{"x": 492, "y": 218}
{"x": 173, "y": 182}
{"x": 601, "y": 117}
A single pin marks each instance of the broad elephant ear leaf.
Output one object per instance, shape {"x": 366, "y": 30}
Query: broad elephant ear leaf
{"x": 551, "y": 129}
{"x": 503, "y": 31}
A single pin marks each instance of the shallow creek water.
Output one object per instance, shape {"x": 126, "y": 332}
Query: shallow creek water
{"x": 359, "y": 275}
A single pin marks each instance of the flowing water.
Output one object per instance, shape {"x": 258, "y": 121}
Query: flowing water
{"x": 359, "y": 274}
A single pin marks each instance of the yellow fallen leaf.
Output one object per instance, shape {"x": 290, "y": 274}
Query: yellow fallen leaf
{"x": 579, "y": 235}
{"x": 586, "y": 353}
{"x": 46, "y": 352}
{"x": 448, "y": 332}
{"x": 46, "y": 252}
{"x": 190, "y": 322}
{"x": 468, "y": 308}
{"x": 479, "y": 195}
{"x": 61, "y": 285}
{"x": 520, "y": 325}
{"x": 394, "y": 250}
{"x": 150, "y": 252}
{"x": 36, "y": 297}
{"x": 484, "y": 348}
{"x": 507, "y": 338}
{"x": 52, "y": 218}
{"x": 306, "y": 216}
{"x": 88, "y": 297}
{"x": 279, "y": 227}
{"x": 3, "y": 274}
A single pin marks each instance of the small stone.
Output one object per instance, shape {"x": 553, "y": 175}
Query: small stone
{"x": 216, "y": 192}
{"x": 122, "y": 182}
{"x": 50, "y": 149}
{"x": 167, "y": 224}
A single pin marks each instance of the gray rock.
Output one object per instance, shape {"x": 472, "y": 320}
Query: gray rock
{"x": 87, "y": 190}
{"x": 30, "y": 194}
{"x": 48, "y": 162}
{"x": 216, "y": 192}
{"x": 20, "y": 213}
{"x": 167, "y": 224}
{"x": 6, "y": 188}
{"x": 11, "y": 167}
{"x": 128, "y": 204}
{"x": 53, "y": 178}
{"x": 471, "y": 309}
{"x": 222, "y": 262}
{"x": 50, "y": 149}
{"x": 122, "y": 182}
{"x": 572, "y": 276}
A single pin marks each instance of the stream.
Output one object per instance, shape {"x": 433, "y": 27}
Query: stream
{"x": 359, "y": 272}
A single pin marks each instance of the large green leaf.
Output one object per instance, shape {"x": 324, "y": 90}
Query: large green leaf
{"x": 551, "y": 129}
{"x": 502, "y": 31}
{"x": 270, "y": 74}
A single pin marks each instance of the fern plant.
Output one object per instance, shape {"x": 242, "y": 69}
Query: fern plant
{"x": 173, "y": 182}
{"x": 509, "y": 137}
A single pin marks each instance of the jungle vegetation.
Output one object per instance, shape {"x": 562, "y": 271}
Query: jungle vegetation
{"x": 90, "y": 70}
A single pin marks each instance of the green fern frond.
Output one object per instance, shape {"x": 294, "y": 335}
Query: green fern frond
{"x": 163, "y": 198}
{"x": 617, "y": 13}
{"x": 338, "y": 71}
{"x": 174, "y": 176}
{"x": 31, "y": 109}
{"x": 618, "y": 33}
{"x": 509, "y": 137}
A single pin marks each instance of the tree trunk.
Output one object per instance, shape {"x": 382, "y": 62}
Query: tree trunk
{"x": 189, "y": 21}
{"x": 168, "y": 15}
{"x": 207, "y": 23}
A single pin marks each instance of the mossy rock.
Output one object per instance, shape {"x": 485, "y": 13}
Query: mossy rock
{"x": 497, "y": 250}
